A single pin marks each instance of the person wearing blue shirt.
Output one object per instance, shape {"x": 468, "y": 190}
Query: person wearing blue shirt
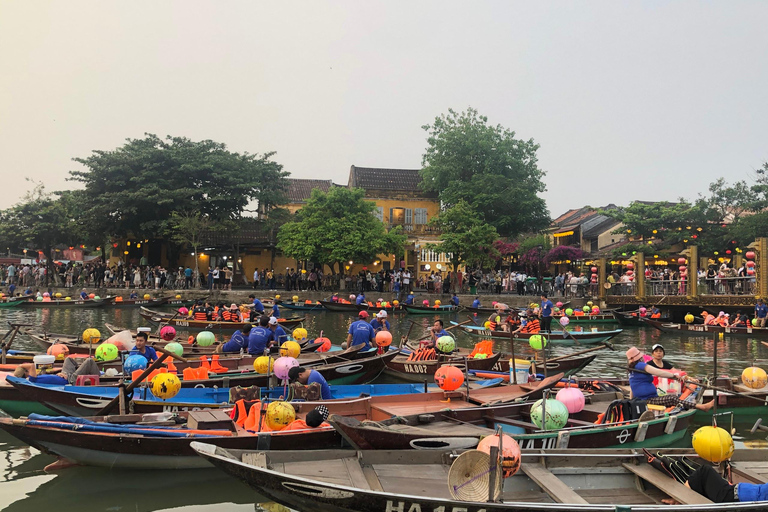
{"x": 409, "y": 299}
{"x": 142, "y": 349}
{"x": 275, "y": 310}
{"x": 380, "y": 323}
{"x": 546, "y": 313}
{"x": 238, "y": 341}
{"x": 476, "y": 303}
{"x": 260, "y": 338}
{"x": 761, "y": 312}
{"x": 257, "y": 305}
{"x": 307, "y": 377}
{"x": 360, "y": 299}
{"x": 455, "y": 300}
{"x": 437, "y": 331}
{"x": 83, "y": 294}
{"x": 360, "y": 332}
{"x": 133, "y": 295}
{"x": 188, "y": 277}
{"x": 277, "y": 331}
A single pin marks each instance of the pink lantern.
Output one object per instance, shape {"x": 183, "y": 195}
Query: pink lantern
{"x": 283, "y": 366}
{"x": 183, "y": 311}
{"x": 595, "y": 310}
{"x": 683, "y": 268}
{"x": 594, "y": 270}
{"x": 750, "y": 264}
{"x": 630, "y": 266}
{"x": 572, "y": 398}
{"x": 425, "y": 302}
{"x": 750, "y": 255}
{"x": 643, "y": 311}
{"x": 564, "y": 320}
{"x": 593, "y": 278}
{"x": 630, "y": 273}
{"x": 559, "y": 304}
{"x": 681, "y": 261}
{"x": 168, "y": 333}
{"x": 750, "y": 271}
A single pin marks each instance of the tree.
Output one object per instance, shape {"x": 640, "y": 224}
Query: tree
{"x": 487, "y": 167}
{"x": 465, "y": 236}
{"x": 187, "y": 228}
{"x": 39, "y": 222}
{"x": 134, "y": 189}
{"x": 336, "y": 227}
{"x": 532, "y": 251}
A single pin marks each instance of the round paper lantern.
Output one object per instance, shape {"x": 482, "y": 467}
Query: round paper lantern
{"x": 681, "y": 261}
{"x": 750, "y": 271}
{"x": 487, "y": 324}
{"x": 556, "y": 414}
{"x": 595, "y": 310}
{"x": 295, "y": 298}
{"x": 569, "y": 312}
{"x": 564, "y": 320}
{"x": 46, "y": 294}
{"x": 630, "y": 266}
{"x": 280, "y": 415}
{"x": 689, "y": 318}
{"x": 383, "y": 338}
{"x": 299, "y": 334}
{"x": 97, "y": 298}
{"x": 118, "y": 299}
{"x": 166, "y": 385}
{"x": 277, "y": 297}
{"x": 106, "y": 352}
{"x": 449, "y": 378}
{"x": 750, "y": 255}
{"x": 39, "y": 299}
{"x": 58, "y": 350}
{"x": 438, "y": 303}
{"x": 58, "y": 295}
{"x": 326, "y": 344}
{"x": 510, "y": 452}
{"x": 533, "y": 305}
{"x": 750, "y": 264}
{"x": 183, "y": 311}
{"x": 593, "y": 270}
{"x": 590, "y": 303}
{"x": 537, "y": 341}
{"x": 92, "y": 295}
{"x": 167, "y": 333}
{"x": 205, "y": 338}
{"x": 68, "y": 298}
{"x": 593, "y": 279}
{"x": 446, "y": 344}
{"x": 263, "y": 364}
{"x": 713, "y": 444}
{"x": 754, "y": 322}
{"x": 425, "y": 302}
{"x": 630, "y": 273}
{"x": 396, "y": 302}
{"x": 559, "y": 304}
{"x": 754, "y": 377}
{"x": 147, "y": 296}
{"x": 586, "y": 309}
{"x": 643, "y": 311}
{"x": 178, "y": 297}
{"x": 133, "y": 363}
{"x": 175, "y": 348}
{"x": 283, "y": 365}
{"x": 555, "y": 309}
{"x": 290, "y": 349}
{"x": 683, "y": 269}
{"x": 572, "y": 398}
{"x": 91, "y": 335}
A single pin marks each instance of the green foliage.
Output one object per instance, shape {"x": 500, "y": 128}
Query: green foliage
{"x": 533, "y": 242}
{"x": 338, "y": 226}
{"x": 187, "y": 227}
{"x": 135, "y": 188}
{"x": 465, "y": 236}
{"x": 485, "y": 166}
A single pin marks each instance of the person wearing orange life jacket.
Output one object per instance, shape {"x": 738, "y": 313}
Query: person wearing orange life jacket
{"x": 495, "y": 322}
{"x": 722, "y": 319}
{"x": 234, "y": 313}
{"x": 531, "y": 324}
{"x": 314, "y": 419}
{"x": 709, "y": 319}
{"x": 655, "y": 312}
{"x": 199, "y": 312}
{"x": 512, "y": 322}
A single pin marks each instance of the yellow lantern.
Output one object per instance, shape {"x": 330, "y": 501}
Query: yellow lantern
{"x": 147, "y": 296}
{"x": 295, "y": 298}
{"x": 279, "y": 415}
{"x": 713, "y": 444}
{"x": 299, "y": 334}
{"x": 91, "y": 335}
{"x": 689, "y": 318}
{"x": 166, "y": 385}
{"x": 290, "y": 349}
{"x": 754, "y": 377}
{"x": 263, "y": 364}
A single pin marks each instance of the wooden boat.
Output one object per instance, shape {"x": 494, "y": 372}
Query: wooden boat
{"x": 303, "y": 306}
{"x": 12, "y": 302}
{"x": 85, "y": 401}
{"x": 555, "y": 337}
{"x": 429, "y": 310}
{"x": 599, "y": 318}
{"x": 157, "y": 317}
{"x": 568, "y": 366}
{"x": 353, "y": 308}
{"x": 118, "y": 442}
{"x": 420, "y": 370}
{"x": 414, "y": 430}
{"x": 127, "y": 303}
{"x": 61, "y": 303}
{"x": 703, "y": 330}
{"x": 413, "y": 480}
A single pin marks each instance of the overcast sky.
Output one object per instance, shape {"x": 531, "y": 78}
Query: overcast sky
{"x": 628, "y": 100}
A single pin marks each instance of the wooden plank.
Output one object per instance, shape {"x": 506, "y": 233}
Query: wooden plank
{"x": 258, "y": 459}
{"x": 355, "y": 473}
{"x": 672, "y": 488}
{"x": 747, "y": 474}
{"x": 556, "y": 488}
{"x": 372, "y": 479}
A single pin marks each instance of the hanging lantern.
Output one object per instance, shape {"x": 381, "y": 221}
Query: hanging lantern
{"x": 750, "y": 264}
{"x": 750, "y": 255}
{"x": 630, "y": 266}
{"x": 681, "y": 261}
{"x": 594, "y": 270}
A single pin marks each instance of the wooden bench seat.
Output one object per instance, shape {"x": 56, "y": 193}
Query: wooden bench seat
{"x": 672, "y": 488}
{"x": 549, "y": 483}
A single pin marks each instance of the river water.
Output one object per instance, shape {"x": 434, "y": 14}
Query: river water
{"x": 24, "y": 486}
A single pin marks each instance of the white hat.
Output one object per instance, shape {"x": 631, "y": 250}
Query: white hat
{"x": 382, "y": 314}
{"x": 272, "y": 320}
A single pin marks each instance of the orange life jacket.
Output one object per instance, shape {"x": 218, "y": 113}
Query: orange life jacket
{"x": 302, "y": 425}
{"x": 532, "y": 326}
{"x": 226, "y": 315}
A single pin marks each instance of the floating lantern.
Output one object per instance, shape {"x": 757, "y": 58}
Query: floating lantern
{"x": 572, "y": 398}
{"x": 713, "y": 444}
{"x": 449, "y": 378}
{"x": 754, "y": 377}
{"x": 166, "y": 385}
{"x": 556, "y": 414}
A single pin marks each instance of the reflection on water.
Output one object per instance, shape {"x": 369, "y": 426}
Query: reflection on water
{"x": 24, "y": 486}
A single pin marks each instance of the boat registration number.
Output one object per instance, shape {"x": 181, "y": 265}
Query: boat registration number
{"x": 415, "y": 368}
{"x": 696, "y": 328}
{"x": 182, "y": 323}
{"x": 404, "y": 506}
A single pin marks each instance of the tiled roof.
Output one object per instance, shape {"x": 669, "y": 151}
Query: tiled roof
{"x": 249, "y": 232}
{"x": 371, "y": 178}
{"x": 598, "y": 225}
{"x": 300, "y": 190}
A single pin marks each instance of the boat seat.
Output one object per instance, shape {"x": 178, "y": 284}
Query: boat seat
{"x": 549, "y": 483}
{"x": 87, "y": 380}
{"x": 664, "y": 483}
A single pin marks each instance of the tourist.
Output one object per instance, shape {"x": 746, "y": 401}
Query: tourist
{"x": 73, "y": 367}
{"x": 546, "y": 313}
{"x": 308, "y": 376}
{"x": 642, "y": 387}
{"x": 256, "y": 278}
{"x": 360, "y": 332}
{"x": 142, "y": 349}
{"x": 531, "y": 325}
{"x": 761, "y": 312}
{"x": 657, "y": 354}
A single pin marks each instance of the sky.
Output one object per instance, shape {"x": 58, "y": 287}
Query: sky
{"x": 628, "y": 100}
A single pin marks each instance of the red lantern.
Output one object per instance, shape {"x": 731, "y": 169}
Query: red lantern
{"x": 750, "y": 271}
{"x": 683, "y": 268}
{"x": 594, "y": 270}
{"x": 630, "y": 265}
{"x": 750, "y": 264}
{"x": 593, "y": 278}
{"x": 728, "y": 251}
{"x": 630, "y": 273}
{"x": 449, "y": 378}
{"x": 750, "y": 255}
{"x": 681, "y": 261}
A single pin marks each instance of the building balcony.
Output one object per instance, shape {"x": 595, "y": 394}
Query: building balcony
{"x": 416, "y": 229}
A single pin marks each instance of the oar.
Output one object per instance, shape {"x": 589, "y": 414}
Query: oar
{"x": 593, "y": 349}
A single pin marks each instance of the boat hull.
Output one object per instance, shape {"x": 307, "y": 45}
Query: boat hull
{"x": 703, "y": 330}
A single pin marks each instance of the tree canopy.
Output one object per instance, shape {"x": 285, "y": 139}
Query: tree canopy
{"x": 465, "y": 236}
{"x": 134, "y": 189}
{"x": 338, "y": 226}
{"x": 488, "y": 168}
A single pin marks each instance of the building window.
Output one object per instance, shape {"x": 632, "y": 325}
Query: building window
{"x": 420, "y": 216}
{"x": 408, "y": 216}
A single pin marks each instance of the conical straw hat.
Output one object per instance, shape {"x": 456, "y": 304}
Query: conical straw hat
{"x": 468, "y": 476}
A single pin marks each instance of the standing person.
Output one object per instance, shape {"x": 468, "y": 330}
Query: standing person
{"x": 256, "y": 278}
{"x": 406, "y": 281}
{"x": 360, "y": 332}
{"x": 216, "y": 279}
{"x": 546, "y": 313}
{"x": 188, "y": 277}
{"x": 761, "y": 312}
